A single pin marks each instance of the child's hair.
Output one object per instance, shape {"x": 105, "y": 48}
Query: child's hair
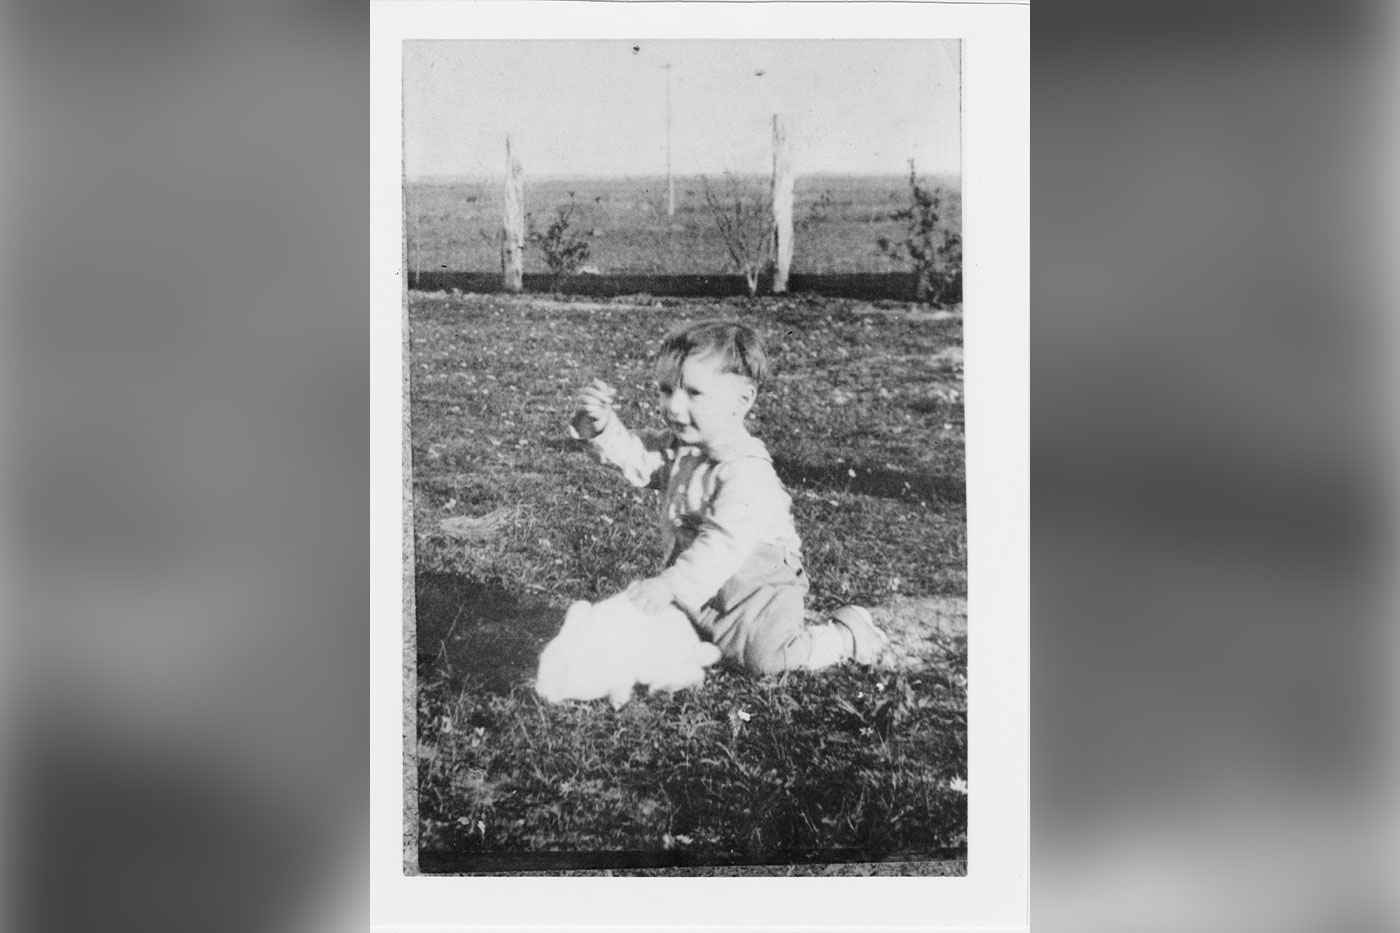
{"x": 738, "y": 348}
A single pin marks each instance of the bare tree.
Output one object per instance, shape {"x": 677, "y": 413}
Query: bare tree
{"x": 744, "y": 220}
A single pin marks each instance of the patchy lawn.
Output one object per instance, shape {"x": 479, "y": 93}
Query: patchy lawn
{"x": 511, "y": 523}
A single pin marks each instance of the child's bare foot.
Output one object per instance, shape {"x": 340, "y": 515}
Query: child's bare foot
{"x": 868, "y": 643}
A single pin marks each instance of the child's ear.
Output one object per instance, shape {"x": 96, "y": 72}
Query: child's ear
{"x": 748, "y": 394}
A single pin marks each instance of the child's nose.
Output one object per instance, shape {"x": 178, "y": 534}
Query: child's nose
{"x": 675, "y": 404}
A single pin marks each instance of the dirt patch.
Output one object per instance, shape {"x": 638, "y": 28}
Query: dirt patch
{"x": 480, "y": 527}
{"x": 950, "y": 357}
{"x": 922, "y": 629}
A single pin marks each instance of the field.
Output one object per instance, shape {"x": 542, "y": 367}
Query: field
{"x": 452, "y": 225}
{"x": 864, "y": 418}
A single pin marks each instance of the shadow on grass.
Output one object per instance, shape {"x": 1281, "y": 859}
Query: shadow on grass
{"x": 884, "y": 484}
{"x": 469, "y": 630}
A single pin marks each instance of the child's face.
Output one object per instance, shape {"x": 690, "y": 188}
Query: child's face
{"x": 706, "y": 405}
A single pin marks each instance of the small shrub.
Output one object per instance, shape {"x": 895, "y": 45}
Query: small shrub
{"x": 931, "y": 245}
{"x": 565, "y": 249}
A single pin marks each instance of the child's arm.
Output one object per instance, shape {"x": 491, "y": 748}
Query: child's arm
{"x": 749, "y": 505}
{"x": 641, "y": 457}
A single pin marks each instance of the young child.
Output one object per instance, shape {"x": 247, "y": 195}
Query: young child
{"x": 732, "y": 554}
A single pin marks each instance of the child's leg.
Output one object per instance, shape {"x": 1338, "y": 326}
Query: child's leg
{"x": 758, "y": 620}
{"x": 812, "y": 648}
{"x": 763, "y": 637}
{"x": 757, "y": 611}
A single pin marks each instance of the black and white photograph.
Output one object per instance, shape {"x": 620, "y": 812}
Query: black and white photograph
{"x": 701, "y": 408}
{"x": 685, "y": 412}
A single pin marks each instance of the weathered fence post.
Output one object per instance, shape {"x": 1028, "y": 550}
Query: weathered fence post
{"x": 413, "y": 245}
{"x": 782, "y": 207}
{"x": 670, "y": 181}
{"x": 513, "y": 225}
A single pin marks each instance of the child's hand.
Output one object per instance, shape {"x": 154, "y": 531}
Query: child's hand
{"x": 595, "y": 403}
{"x": 650, "y": 595}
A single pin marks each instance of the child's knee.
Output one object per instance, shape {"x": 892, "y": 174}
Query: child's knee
{"x": 760, "y": 634}
{"x": 773, "y": 655}
{"x": 760, "y": 661}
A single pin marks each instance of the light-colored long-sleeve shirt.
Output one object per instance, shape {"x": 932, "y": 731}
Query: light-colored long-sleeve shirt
{"x": 717, "y": 506}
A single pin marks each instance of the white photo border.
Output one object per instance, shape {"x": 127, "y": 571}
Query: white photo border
{"x": 996, "y": 197}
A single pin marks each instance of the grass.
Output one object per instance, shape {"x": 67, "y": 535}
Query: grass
{"x": 864, "y": 419}
{"x": 837, "y": 220}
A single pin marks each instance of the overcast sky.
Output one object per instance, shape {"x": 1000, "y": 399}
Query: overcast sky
{"x": 598, "y": 107}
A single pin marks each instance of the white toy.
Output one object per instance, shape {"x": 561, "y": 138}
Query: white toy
{"x": 604, "y": 649}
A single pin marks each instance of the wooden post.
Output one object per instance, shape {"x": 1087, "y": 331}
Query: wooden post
{"x": 782, "y": 207}
{"x": 670, "y": 182}
{"x": 415, "y": 261}
{"x": 513, "y": 225}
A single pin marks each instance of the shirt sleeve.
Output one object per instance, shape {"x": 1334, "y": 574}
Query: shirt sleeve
{"x": 641, "y": 456}
{"x": 749, "y": 503}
